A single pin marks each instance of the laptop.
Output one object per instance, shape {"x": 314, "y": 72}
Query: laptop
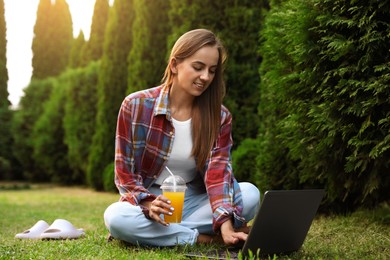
{"x": 280, "y": 226}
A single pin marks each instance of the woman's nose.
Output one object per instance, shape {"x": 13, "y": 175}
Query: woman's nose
{"x": 205, "y": 76}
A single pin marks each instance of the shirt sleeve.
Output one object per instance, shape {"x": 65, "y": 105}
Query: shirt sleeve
{"x": 222, "y": 188}
{"x": 128, "y": 182}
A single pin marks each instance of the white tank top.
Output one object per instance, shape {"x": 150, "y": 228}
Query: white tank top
{"x": 180, "y": 162}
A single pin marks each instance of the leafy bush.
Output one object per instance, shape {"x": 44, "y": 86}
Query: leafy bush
{"x": 23, "y": 121}
{"x": 79, "y": 118}
{"x": 49, "y": 149}
{"x": 5, "y": 169}
{"x": 244, "y": 161}
{"x": 325, "y": 99}
{"x": 108, "y": 178}
{"x": 111, "y": 89}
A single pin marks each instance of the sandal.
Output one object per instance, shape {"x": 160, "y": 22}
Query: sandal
{"x": 34, "y": 232}
{"x": 62, "y": 229}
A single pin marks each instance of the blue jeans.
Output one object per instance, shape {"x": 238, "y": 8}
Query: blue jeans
{"x": 127, "y": 222}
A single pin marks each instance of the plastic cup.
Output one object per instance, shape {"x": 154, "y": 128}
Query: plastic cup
{"x": 175, "y": 193}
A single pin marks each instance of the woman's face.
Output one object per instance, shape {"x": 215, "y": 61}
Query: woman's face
{"x": 194, "y": 74}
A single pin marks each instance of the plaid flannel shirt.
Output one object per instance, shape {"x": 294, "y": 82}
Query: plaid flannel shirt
{"x": 144, "y": 139}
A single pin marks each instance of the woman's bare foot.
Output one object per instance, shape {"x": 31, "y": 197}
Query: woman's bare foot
{"x": 209, "y": 239}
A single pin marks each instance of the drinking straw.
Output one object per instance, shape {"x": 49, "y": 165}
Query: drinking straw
{"x": 173, "y": 176}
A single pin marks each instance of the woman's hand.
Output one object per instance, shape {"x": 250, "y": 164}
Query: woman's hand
{"x": 231, "y": 236}
{"x": 161, "y": 205}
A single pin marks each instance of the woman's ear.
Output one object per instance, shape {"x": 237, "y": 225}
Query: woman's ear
{"x": 173, "y": 65}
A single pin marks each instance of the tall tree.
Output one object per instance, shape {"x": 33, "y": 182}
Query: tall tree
{"x": 93, "y": 50}
{"x": 42, "y": 40}
{"x": 240, "y": 33}
{"x": 52, "y": 39}
{"x": 148, "y": 52}
{"x": 4, "y": 102}
{"x": 62, "y": 37}
{"x": 30, "y": 109}
{"x": 79, "y": 119}
{"x": 75, "y": 57}
{"x": 111, "y": 88}
{"x": 49, "y": 149}
{"x": 237, "y": 24}
{"x": 324, "y": 100}
{"x": 5, "y": 113}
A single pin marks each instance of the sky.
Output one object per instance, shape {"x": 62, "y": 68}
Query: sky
{"x": 20, "y": 17}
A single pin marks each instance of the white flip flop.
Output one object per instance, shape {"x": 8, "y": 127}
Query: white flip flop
{"x": 62, "y": 229}
{"x": 34, "y": 232}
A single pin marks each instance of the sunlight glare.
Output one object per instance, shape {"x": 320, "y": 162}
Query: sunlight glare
{"x": 82, "y": 12}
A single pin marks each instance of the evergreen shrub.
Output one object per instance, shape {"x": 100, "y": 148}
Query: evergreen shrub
{"x": 108, "y": 178}
{"x": 325, "y": 106}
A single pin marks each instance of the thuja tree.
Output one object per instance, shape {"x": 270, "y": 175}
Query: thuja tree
{"x": 93, "y": 49}
{"x": 240, "y": 33}
{"x": 79, "y": 118}
{"x": 148, "y": 52}
{"x": 237, "y": 23}
{"x": 112, "y": 85}
{"x": 52, "y": 39}
{"x": 49, "y": 149}
{"x": 24, "y": 119}
{"x": 76, "y": 52}
{"x": 325, "y": 100}
{"x": 4, "y": 102}
{"x": 5, "y": 113}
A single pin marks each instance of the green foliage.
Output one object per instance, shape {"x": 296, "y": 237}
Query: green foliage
{"x": 108, "y": 178}
{"x": 324, "y": 99}
{"x": 4, "y": 102}
{"x": 243, "y": 161}
{"x": 42, "y": 40}
{"x": 30, "y": 109}
{"x": 111, "y": 89}
{"x": 5, "y": 169}
{"x": 9, "y": 168}
{"x": 49, "y": 149}
{"x": 52, "y": 39}
{"x": 62, "y": 36}
{"x": 79, "y": 119}
{"x": 147, "y": 55}
{"x": 76, "y": 54}
{"x": 240, "y": 33}
{"x": 93, "y": 49}
{"x": 6, "y": 142}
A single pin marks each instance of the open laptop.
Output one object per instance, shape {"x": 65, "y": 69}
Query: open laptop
{"x": 280, "y": 226}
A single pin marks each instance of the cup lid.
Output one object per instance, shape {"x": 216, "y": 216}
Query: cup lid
{"x": 170, "y": 182}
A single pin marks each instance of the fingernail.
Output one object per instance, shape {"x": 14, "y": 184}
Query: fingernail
{"x": 169, "y": 213}
{"x": 169, "y": 202}
{"x": 172, "y": 209}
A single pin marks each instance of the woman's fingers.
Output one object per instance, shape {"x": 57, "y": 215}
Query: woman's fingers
{"x": 231, "y": 236}
{"x": 161, "y": 205}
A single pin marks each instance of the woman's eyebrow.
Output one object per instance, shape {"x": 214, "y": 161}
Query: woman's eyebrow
{"x": 204, "y": 64}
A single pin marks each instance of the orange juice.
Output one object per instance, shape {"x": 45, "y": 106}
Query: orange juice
{"x": 177, "y": 202}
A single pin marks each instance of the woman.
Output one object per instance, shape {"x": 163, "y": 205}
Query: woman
{"x": 181, "y": 124}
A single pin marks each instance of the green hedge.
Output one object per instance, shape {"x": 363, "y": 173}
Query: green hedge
{"x": 325, "y": 99}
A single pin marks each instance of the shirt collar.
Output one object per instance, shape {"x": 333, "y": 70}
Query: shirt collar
{"x": 162, "y": 103}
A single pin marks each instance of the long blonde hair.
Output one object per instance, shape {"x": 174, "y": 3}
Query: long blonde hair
{"x": 206, "y": 111}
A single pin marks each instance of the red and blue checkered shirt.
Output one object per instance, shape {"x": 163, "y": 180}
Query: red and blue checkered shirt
{"x": 144, "y": 139}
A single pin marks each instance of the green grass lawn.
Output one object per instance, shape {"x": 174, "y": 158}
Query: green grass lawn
{"x": 362, "y": 235}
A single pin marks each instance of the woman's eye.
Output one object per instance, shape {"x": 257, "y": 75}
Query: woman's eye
{"x": 197, "y": 68}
